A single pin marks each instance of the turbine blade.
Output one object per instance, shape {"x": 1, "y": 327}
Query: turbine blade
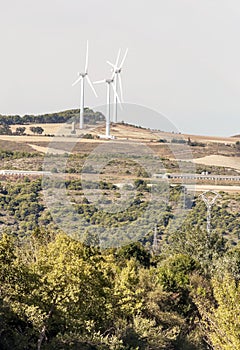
{"x": 115, "y": 66}
{"x": 113, "y": 69}
{"x": 113, "y": 75}
{"x": 120, "y": 86}
{"x": 91, "y": 85}
{"x": 118, "y": 56}
{"x": 77, "y": 81}
{"x": 116, "y": 94}
{"x": 99, "y": 81}
{"x": 123, "y": 60}
{"x": 111, "y": 64}
{"x": 86, "y": 62}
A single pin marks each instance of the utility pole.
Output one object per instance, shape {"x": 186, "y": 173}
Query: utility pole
{"x": 209, "y": 200}
{"x": 184, "y": 197}
{"x": 155, "y": 240}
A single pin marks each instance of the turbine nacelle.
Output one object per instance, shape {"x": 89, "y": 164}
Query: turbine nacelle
{"x": 82, "y": 75}
{"x": 109, "y": 81}
{"x": 116, "y": 71}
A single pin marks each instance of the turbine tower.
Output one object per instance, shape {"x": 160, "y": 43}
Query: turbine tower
{"x": 109, "y": 82}
{"x": 81, "y": 78}
{"x": 117, "y": 69}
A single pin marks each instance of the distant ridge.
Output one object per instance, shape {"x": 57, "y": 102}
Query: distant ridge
{"x": 51, "y": 118}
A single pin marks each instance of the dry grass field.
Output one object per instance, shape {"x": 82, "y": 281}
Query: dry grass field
{"x": 215, "y": 139}
{"x": 218, "y": 160}
{"x": 224, "y": 188}
{"x": 217, "y": 151}
{"x": 122, "y": 131}
{"x": 128, "y": 132}
{"x": 48, "y": 128}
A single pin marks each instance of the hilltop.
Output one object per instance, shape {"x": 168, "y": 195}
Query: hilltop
{"x": 56, "y": 117}
{"x": 217, "y": 155}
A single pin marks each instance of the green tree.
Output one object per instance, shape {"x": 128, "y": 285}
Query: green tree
{"x": 220, "y": 312}
{"x": 134, "y": 250}
{"x": 20, "y": 130}
{"x": 37, "y": 130}
{"x": 5, "y": 129}
{"x": 71, "y": 290}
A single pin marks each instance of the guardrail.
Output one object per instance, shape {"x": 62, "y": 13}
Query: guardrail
{"x": 198, "y": 177}
{"x": 24, "y": 172}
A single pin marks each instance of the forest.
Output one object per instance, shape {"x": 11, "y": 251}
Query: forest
{"x": 57, "y": 117}
{"x": 57, "y": 292}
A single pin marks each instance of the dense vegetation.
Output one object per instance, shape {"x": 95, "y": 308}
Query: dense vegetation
{"x": 60, "y": 117}
{"x": 59, "y": 293}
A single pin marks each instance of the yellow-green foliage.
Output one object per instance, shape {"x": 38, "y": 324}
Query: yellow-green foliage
{"x": 224, "y": 320}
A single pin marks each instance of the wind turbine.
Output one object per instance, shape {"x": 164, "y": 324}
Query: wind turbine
{"x": 109, "y": 82}
{"x": 81, "y": 78}
{"x": 117, "y": 69}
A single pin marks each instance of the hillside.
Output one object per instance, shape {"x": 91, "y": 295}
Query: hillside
{"x": 116, "y": 259}
{"x": 217, "y": 155}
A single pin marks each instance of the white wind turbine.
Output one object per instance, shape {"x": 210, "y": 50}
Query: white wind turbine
{"x": 109, "y": 82}
{"x": 81, "y": 78}
{"x": 117, "y": 69}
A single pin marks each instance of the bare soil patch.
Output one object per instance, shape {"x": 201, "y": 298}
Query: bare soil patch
{"x": 218, "y": 160}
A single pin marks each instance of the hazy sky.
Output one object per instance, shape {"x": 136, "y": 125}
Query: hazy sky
{"x": 183, "y": 61}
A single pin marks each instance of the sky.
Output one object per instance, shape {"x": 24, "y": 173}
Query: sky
{"x": 183, "y": 59}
